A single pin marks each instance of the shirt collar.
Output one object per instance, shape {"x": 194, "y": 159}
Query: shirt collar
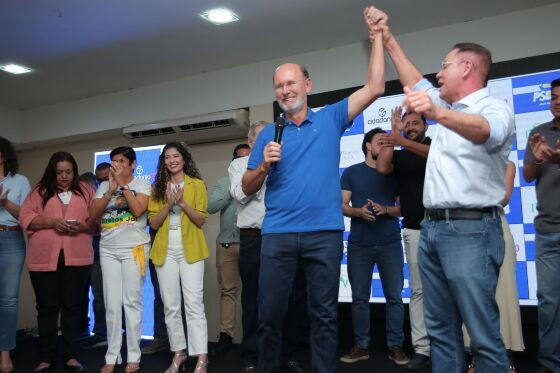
{"x": 473, "y": 98}
{"x": 310, "y": 115}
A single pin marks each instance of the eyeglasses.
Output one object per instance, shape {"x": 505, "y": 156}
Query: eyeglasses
{"x": 290, "y": 84}
{"x": 444, "y": 63}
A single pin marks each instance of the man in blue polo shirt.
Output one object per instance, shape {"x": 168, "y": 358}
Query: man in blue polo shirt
{"x": 303, "y": 220}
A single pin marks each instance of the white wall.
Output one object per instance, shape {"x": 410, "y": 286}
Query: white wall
{"x": 514, "y": 35}
{"x": 11, "y": 124}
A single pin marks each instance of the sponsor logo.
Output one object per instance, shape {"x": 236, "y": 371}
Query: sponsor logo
{"x": 383, "y": 118}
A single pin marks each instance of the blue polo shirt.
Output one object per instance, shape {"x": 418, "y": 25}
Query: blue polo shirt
{"x": 303, "y": 191}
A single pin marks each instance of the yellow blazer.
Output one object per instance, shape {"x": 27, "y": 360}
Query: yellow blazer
{"x": 194, "y": 242}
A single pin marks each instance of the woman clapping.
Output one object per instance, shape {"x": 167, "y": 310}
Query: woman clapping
{"x": 177, "y": 210}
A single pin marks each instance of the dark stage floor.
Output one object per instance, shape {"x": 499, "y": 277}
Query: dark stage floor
{"x": 25, "y": 356}
{"x": 25, "y": 359}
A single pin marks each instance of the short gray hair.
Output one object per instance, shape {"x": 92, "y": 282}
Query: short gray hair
{"x": 254, "y": 125}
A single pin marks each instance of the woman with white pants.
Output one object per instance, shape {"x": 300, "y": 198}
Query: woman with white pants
{"x": 121, "y": 204}
{"x": 177, "y": 210}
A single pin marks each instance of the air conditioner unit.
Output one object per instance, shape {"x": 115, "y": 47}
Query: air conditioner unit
{"x": 223, "y": 125}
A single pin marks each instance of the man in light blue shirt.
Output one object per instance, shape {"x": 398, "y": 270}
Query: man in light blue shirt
{"x": 461, "y": 243}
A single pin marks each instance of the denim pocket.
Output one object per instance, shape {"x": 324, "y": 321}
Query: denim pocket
{"x": 469, "y": 227}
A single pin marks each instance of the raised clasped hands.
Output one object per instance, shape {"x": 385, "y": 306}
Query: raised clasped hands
{"x": 376, "y": 22}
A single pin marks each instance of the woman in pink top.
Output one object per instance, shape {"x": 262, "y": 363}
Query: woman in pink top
{"x": 59, "y": 254}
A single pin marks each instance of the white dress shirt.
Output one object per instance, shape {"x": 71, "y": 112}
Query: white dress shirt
{"x": 250, "y": 209}
{"x": 460, "y": 173}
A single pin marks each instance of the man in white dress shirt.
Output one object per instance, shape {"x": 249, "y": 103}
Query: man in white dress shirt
{"x": 250, "y": 214}
{"x": 461, "y": 244}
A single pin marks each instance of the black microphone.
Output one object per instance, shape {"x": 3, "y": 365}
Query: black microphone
{"x": 278, "y": 129}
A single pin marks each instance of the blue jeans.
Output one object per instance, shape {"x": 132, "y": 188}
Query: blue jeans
{"x": 12, "y": 256}
{"x": 547, "y": 252}
{"x": 459, "y": 264}
{"x": 281, "y": 255}
{"x": 390, "y": 261}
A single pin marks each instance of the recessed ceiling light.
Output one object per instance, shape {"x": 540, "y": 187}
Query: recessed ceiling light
{"x": 219, "y": 16}
{"x": 15, "y": 69}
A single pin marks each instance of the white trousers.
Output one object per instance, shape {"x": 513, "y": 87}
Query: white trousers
{"x": 122, "y": 287}
{"x": 176, "y": 276}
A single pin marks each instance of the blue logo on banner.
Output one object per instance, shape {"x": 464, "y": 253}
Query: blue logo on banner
{"x": 536, "y": 95}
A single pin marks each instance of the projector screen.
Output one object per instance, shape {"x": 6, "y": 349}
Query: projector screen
{"x": 529, "y": 96}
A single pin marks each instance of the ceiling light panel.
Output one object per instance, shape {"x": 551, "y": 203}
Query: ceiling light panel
{"x": 12, "y": 68}
{"x": 220, "y": 16}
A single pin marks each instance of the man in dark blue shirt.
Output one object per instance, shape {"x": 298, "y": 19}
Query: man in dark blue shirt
{"x": 368, "y": 198}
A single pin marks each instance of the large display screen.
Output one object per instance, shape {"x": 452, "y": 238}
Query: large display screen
{"x": 529, "y": 96}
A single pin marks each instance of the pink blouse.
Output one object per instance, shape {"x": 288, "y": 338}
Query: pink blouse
{"x": 44, "y": 245}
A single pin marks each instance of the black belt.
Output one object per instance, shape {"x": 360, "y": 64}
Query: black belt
{"x": 459, "y": 214}
{"x": 10, "y": 228}
{"x": 250, "y": 231}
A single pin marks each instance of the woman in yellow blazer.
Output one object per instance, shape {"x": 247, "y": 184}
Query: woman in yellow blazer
{"x": 177, "y": 210}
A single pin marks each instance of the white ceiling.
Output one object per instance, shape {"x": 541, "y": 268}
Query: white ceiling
{"x": 84, "y": 48}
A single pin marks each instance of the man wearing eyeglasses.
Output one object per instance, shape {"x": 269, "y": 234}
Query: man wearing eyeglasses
{"x": 542, "y": 163}
{"x": 461, "y": 244}
{"x": 303, "y": 223}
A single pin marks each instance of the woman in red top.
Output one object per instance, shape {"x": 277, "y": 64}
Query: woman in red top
{"x": 59, "y": 254}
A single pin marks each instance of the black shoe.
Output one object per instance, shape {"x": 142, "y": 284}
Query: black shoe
{"x": 418, "y": 361}
{"x": 92, "y": 342}
{"x": 74, "y": 368}
{"x": 48, "y": 369}
{"x": 223, "y": 346}
{"x": 249, "y": 368}
{"x": 157, "y": 345}
{"x": 292, "y": 366}
{"x": 543, "y": 369}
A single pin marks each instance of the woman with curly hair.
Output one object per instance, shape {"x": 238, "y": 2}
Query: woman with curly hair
{"x": 13, "y": 190}
{"x": 59, "y": 256}
{"x": 177, "y": 210}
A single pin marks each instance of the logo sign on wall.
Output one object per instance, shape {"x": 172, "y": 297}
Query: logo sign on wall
{"x": 529, "y": 96}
